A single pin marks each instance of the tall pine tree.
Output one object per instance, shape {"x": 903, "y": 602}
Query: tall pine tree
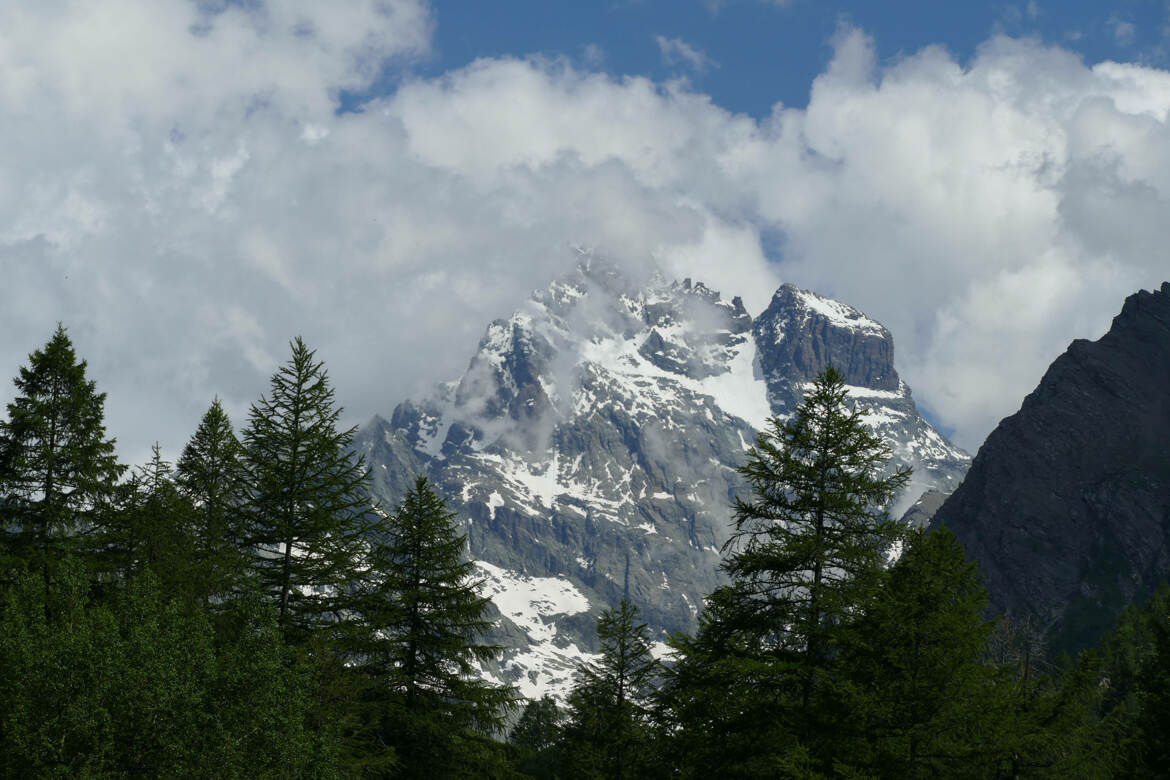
{"x": 310, "y": 511}
{"x": 426, "y": 618}
{"x": 57, "y": 468}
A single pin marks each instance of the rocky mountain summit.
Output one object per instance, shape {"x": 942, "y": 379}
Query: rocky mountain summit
{"x": 1067, "y": 504}
{"x": 592, "y": 445}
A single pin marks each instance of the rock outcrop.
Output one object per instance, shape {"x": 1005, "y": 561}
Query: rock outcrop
{"x": 1066, "y": 506}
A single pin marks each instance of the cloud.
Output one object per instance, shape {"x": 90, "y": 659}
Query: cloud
{"x": 188, "y": 208}
{"x": 1123, "y": 32}
{"x": 676, "y": 51}
{"x": 594, "y": 55}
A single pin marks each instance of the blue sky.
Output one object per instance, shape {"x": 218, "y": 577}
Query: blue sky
{"x": 189, "y": 184}
{"x": 754, "y": 53}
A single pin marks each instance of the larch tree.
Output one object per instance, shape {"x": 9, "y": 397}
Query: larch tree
{"x": 424, "y": 649}
{"x": 807, "y": 552}
{"x": 152, "y": 528}
{"x": 919, "y": 699}
{"x": 812, "y": 542}
{"x": 607, "y": 734}
{"x": 57, "y": 468}
{"x": 309, "y": 508}
{"x": 210, "y": 473}
{"x": 536, "y": 736}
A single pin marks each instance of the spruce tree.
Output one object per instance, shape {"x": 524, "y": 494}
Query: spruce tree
{"x": 607, "y": 734}
{"x": 425, "y": 619}
{"x": 309, "y": 509}
{"x": 57, "y": 468}
{"x": 211, "y": 475}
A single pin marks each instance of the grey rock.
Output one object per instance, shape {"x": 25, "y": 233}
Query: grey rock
{"x": 592, "y": 446}
{"x": 921, "y": 511}
{"x": 1066, "y": 506}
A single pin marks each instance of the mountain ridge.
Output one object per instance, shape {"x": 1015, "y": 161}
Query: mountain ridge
{"x": 593, "y": 440}
{"x": 1066, "y": 506}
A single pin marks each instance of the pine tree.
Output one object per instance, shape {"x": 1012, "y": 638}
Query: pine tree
{"x": 425, "y": 617}
{"x": 309, "y": 508}
{"x": 607, "y": 734}
{"x": 211, "y": 475}
{"x": 57, "y": 468}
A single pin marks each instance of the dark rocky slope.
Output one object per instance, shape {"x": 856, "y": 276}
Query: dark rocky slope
{"x": 1066, "y": 506}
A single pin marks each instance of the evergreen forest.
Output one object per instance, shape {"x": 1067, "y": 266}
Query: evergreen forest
{"x": 248, "y": 612}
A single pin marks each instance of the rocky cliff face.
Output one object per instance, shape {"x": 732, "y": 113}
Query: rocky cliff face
{"x": 1066, "y": 507}
{"x": 592, "y": 445}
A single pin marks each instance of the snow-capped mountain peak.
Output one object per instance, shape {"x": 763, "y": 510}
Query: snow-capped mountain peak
{"x": 594, "y": 437}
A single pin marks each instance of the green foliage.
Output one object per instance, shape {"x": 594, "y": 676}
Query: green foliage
{"x": 137, "y": 688}
{"x": 424, "y": 617}
{"x": 309, "y": 507}
{"x": 917, "y": 697}
{"x": 56, "y": 466}
{"x": 607, "y": 734}
{"x": 210, "y": 475}
{"x": 807, "y": 554}
{"x": 1127, "y": 683}
{"x": 56, "y": 679}
{"x": 809, "y": 546}
{"x": 723, "y": 702}
{"x": 535, "y": 737}
{"x": 259, "y": 619}
{"x": 152, "y": 528}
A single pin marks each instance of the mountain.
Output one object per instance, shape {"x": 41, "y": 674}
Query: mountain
{"x": 592, "y": 445}
{"x": 1066, "y": 506}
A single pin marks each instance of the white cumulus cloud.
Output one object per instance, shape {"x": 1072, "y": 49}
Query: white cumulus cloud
{"x": 177, "y": 187}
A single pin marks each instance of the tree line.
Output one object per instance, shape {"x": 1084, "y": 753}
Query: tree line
{"x": 248, "y": 611}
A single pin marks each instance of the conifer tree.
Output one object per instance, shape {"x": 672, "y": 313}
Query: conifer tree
{"x": 1152, "y": 751}
{"x": 535, "y": 737}
{"x": 425, "y": 617}
{"x": 151, "y": 528}
{"x": 810, "y": 545}
{"x": 607, "y": 734}
{"x": 309, "y": 508}
{"x": 918, "y": 696}
{"x": 211, "y": 475}
{"x": 56, "y": 465}
{"x": 140, "y": 687}
{"x": 805, "y": 557}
